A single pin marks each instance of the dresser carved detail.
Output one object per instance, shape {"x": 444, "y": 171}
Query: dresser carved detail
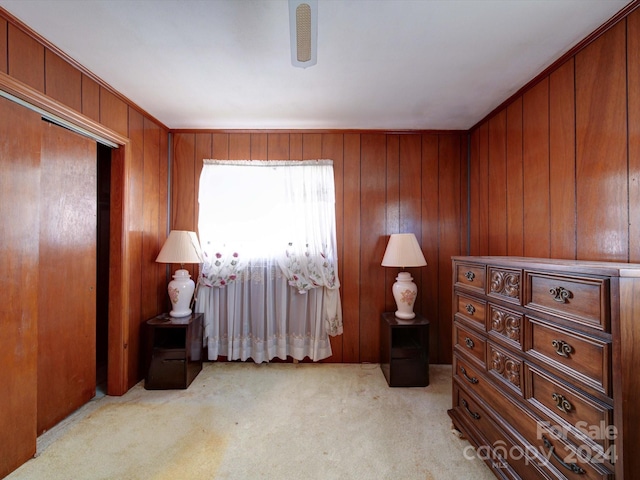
{"x": 505, "y": 283}
{"x": 505, "y": 366}
{"x": 506, "y": 324}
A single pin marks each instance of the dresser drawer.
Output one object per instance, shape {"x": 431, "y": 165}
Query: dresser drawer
{"x": 567, "y": 461}
{"x": 585, "y": 421}
{"x": 529, "y": 426}
{"x": 468, "y": 375}
{"x": 581, "y": 300}
{"x": 560, "y": 458}
{"x": 469, "y": 343}
{"x": 472, "y": 309}
{"x": 512, "y": 458}
{"x": 471, "y": 276}
{"x": 576, "y": 356}
{"x": 506, "y": 325}
{"x": 475, "y": 380}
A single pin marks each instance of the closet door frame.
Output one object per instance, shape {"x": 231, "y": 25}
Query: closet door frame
{"x": 119, "y": 249}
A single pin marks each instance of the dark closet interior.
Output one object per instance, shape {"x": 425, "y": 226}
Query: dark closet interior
{"x": 102, "y": 271}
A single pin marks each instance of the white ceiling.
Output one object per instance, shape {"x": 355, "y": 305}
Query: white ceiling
{"x": 382, "y": 64}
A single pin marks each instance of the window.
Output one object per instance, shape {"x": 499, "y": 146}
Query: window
{"x": 261, "y": 222}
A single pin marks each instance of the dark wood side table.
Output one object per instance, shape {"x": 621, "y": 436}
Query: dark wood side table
{"x": 174, "y": 351}
{"x": 404, "y": 350}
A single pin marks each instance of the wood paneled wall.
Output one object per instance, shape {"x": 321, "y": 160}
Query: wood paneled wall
{"x": 45, "y": 75}
{"x": 385, "y": 183}
{"x": 556, "y": 172}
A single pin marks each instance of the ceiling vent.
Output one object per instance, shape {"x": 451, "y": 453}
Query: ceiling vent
{"x": 303, "y": 28}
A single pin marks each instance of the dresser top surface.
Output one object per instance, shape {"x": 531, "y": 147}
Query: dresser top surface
{"x": 616, "y": 269}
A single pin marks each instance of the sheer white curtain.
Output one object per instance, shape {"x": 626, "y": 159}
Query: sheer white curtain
{"x": 269, "y": 283}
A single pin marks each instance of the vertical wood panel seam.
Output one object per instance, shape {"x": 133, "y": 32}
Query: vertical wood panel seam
{"x": 339, "y": 241}
{"x": 170, "y": 147}
{"x": 505, "y": 161}
{"x": 360, "y": 261}
{"x": 343, "y": 236}
{"x": 575, "y": 161}
{"x": 522, "y": 173}
{"x": 488, "y": 193}
{"x": 357, "y": 300}
{"x": 6, "y": 44}
{"x": 142, "y": 183}
{"x": 629, "y": 186}
{"x": 193, "y": 157}
{"x": 506, "y": 174}
{"x": 549, "y": 163}
{"x": 468, "y": 190}
{"x": 160, "y": 298}
{"x": 196, "y": 174}
{"x": 439, "y": 308}
{"x": 44, "y": 71}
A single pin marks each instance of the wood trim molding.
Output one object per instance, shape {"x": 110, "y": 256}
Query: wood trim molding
{"x": 38, "y": 99}
{"x": 119, "y": 265}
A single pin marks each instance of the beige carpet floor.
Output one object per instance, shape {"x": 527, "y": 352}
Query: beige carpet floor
{"x": 270, "y": 421}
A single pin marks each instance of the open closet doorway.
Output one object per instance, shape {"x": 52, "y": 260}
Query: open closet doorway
{"x": 102, "y": 271}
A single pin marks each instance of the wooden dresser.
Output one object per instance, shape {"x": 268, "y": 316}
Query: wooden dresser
{"x": 546, "y": 366}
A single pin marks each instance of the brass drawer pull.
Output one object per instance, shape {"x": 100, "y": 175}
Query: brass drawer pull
{"x": 570, "y": 466}
{"x": 561, "y": 294}
{"x": 474, "y": 415}
{"x": 470, "y": 309}
{"x": 562, "y": 348}
{"x": 473, "y": 380}
{"x": 470, "y": 275}
{"x": 469, "y": 342}
{"x": 562, "y": 403}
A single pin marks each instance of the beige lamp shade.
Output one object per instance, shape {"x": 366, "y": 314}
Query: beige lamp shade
{"x": 180, "y": 247}
{"x": 403, "y": 251}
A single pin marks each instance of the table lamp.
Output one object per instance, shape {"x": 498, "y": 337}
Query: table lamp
{"x": 403, "y": 251}
{"x": 180, "y": 247}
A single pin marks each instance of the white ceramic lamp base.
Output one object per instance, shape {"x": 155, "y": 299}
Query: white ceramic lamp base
{"x": 180, "y": 292}
{"x": 405, "y": 293}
